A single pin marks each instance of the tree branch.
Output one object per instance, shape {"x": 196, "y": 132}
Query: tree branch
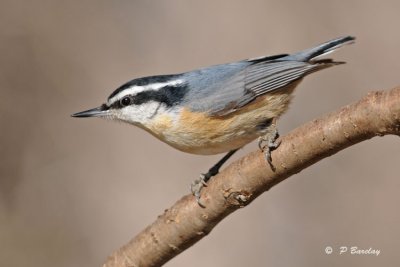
{"x": 241, "y": 182}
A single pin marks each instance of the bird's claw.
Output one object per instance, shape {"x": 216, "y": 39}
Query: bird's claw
{"x": 269, "y": 143}
{"x": 201, "y": 182}
{"x": 196, "y": 187}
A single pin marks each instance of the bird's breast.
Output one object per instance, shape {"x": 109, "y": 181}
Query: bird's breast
{"x": 199, "y": 133}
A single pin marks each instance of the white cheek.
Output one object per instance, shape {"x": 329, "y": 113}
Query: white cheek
{"x": 141, "y": 114}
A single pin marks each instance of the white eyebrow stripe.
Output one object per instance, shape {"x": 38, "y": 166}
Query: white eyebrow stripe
{"x": 156, "y": 86}
{"x": 135, "y": 89}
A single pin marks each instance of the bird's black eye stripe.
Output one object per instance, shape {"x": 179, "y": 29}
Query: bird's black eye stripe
{"x": 125, "y": 101}
{"x": 104, "y": 107}
{"x": 145, "y": 81}
{"x": 168, "y": 95}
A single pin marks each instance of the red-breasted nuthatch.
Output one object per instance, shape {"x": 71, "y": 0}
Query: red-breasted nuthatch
{"x": 219, "y": 108}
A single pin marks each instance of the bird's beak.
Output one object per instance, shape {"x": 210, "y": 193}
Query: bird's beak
{"x": 101, "y": 111}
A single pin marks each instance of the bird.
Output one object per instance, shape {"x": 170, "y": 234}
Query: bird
{"x": 217, "y": 109}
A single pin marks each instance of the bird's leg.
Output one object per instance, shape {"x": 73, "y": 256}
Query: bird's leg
{"x": 199, "y": 183}
{"x": 269, "y": 142}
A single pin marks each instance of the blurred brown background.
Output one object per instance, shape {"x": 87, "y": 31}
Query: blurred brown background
{"x": 72, "y": 191}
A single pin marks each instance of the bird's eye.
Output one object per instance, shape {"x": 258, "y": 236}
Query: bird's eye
{"x": 126, "y": 101}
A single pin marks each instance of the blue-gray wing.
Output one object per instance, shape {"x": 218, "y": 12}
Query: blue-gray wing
{"x": 223, "y": 89}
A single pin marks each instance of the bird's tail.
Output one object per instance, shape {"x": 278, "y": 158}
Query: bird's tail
{"x": 322, "y": 49}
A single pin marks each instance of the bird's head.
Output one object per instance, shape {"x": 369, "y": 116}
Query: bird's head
{"x": 139, "y": 100}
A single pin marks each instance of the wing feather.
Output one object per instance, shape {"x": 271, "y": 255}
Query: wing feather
{"x": 222, "y": 89}
{"x": 265, "y": 77}
{"x": 242, "y": 86}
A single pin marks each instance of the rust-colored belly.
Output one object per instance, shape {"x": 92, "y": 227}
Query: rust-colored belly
{"x": 198, "y": 133}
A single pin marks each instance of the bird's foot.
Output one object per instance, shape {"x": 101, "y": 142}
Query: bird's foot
{"x": 269, "y": 143}
{"x": 201, "y": 182}
{"x": 197, "y": 185}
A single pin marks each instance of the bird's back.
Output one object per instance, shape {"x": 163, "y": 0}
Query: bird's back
{"x": 222, "y": 89}
{"x": 227, "y": 106}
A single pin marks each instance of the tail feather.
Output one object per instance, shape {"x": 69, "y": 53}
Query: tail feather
{"x": 322, "y": 49}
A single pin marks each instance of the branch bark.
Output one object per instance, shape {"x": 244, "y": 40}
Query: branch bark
{"x": 185, "y": 223}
